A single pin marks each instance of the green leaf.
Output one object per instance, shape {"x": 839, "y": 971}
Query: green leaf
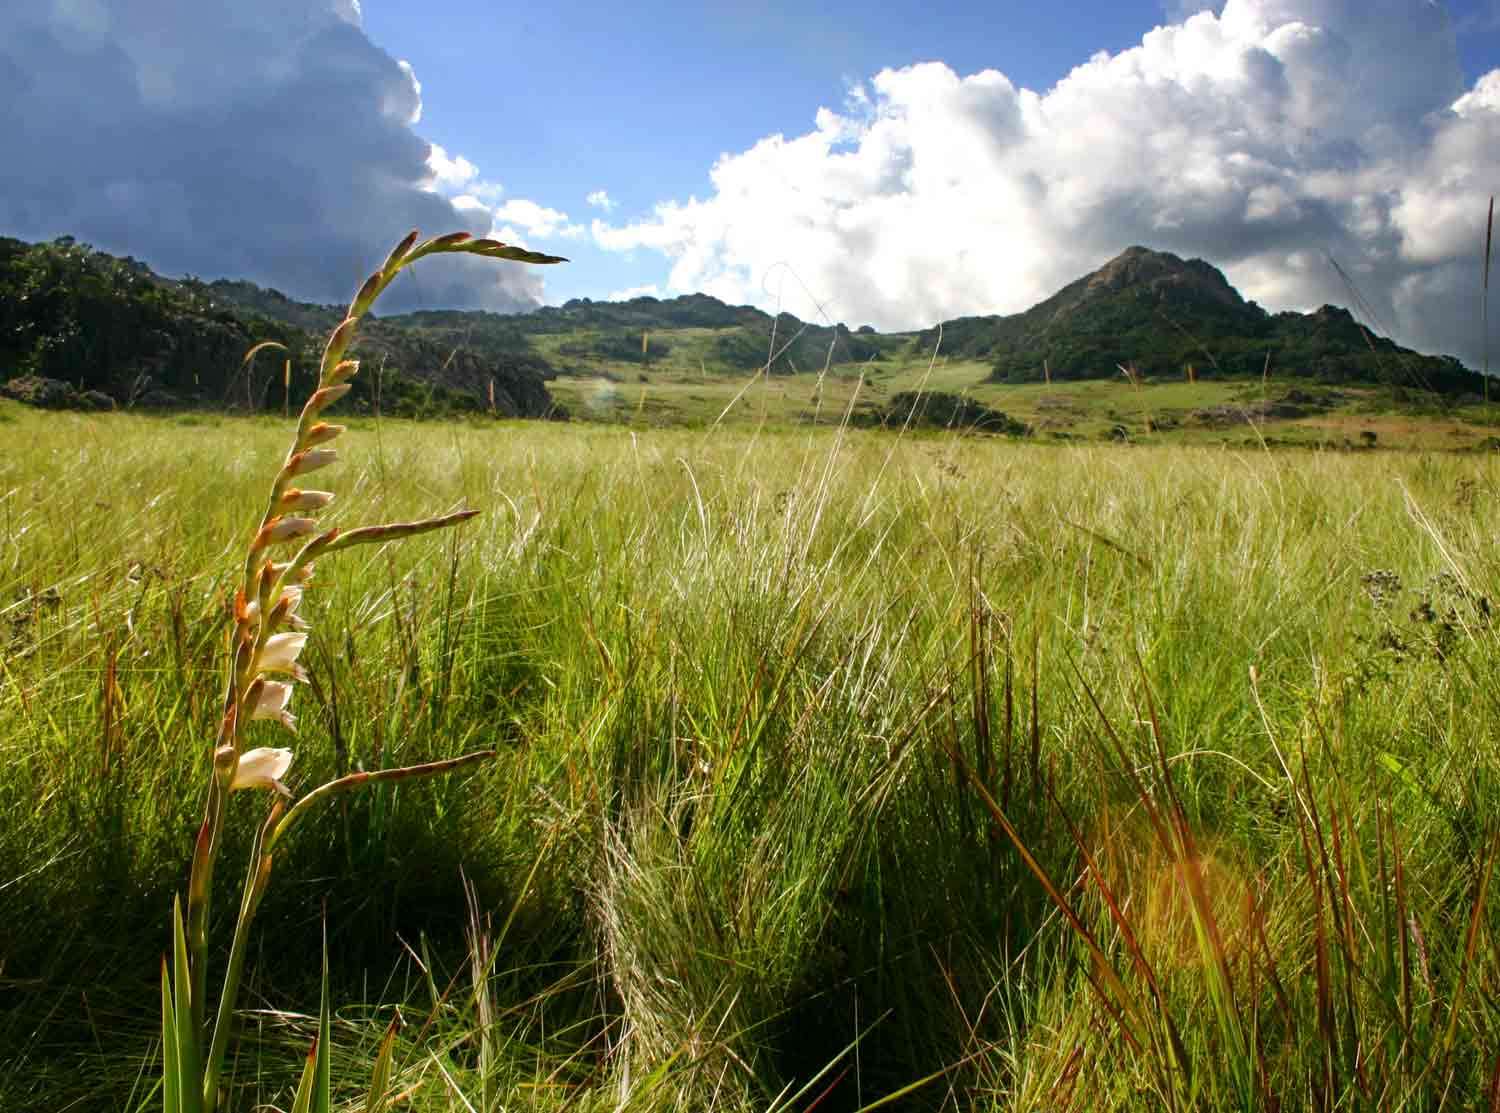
{"x": 171, "y": 1082}
{"x": 189, "y": 1058}
{"x": 380, "y": 1077}
{"x": 303, "y": 1100}
{"x": 323, "y": 1084}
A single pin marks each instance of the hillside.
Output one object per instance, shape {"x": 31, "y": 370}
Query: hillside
{"x": 79, "y": 326}
{"x": 1159, "y": 313}
{"x": 588, "y": 337}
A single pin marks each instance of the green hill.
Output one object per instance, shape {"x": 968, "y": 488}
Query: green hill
{"x": 81, "y": 326}
{"x": 1158, "y": 313}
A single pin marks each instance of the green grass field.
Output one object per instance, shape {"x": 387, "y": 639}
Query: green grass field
{"x": 682, "y": 392}
{"x": 778, "y": 709}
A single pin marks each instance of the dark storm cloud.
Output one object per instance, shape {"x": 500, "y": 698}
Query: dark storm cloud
{"x": 271, "y": 141}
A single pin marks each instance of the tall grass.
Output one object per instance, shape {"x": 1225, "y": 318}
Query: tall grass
{"x": 776, "y": 719}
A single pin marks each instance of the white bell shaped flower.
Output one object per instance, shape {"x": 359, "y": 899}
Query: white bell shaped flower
{"x": 280, "y": 654}
{"x": 263, "y": 768}
{"x": 271, "y": 703}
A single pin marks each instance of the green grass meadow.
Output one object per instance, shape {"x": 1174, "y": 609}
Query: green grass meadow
{"x": 683, "y": 391}
{"x": 837, "y": 767}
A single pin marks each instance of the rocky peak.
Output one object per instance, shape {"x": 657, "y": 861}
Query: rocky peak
{"x": 1166, "y": 275}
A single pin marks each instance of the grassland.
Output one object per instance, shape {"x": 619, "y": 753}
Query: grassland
{"x": 685, "y": 391}
{"x": 777, "y": 709}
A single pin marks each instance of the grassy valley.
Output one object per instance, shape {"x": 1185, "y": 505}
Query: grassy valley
{"x": 856, "y": 725}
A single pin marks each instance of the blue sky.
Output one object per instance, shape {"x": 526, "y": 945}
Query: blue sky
{"x": 890, "y": 165}
{"x": 639, "y": 100}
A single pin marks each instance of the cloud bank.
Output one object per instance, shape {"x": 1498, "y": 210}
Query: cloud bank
{"x": 1265, "y": 137}
{"x": 269, "y": 140}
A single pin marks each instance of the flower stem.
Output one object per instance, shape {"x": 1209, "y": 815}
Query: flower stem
{"x": 359, "y": 780}
{"x": 201, "y": 873}
{"x": 256, "y": 878}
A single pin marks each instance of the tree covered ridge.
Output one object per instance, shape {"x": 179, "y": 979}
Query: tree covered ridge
{"x": 110, "y": 325}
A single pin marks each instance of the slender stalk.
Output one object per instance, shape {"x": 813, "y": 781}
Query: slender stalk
{"x": 257, "y": 876}
{"x": 201, "y": 875}
{"x": 200, "y": 887}
{"x": 359, "y": 780}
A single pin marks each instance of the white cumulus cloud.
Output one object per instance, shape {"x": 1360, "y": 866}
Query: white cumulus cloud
{"x": 1265, "y": 137}
{"x": 599, "y": 199}
{"x": 449, "y": 172}
{"x": 536, "y": 220}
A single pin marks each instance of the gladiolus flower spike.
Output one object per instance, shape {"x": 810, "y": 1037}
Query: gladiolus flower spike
{"x": 267, "y": 640}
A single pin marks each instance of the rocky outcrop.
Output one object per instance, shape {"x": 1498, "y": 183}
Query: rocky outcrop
{"x": 54, "y": 394}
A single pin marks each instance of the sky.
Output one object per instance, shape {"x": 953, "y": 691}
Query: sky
{"x": 894, "y": 166}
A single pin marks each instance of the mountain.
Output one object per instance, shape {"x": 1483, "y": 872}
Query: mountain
{"x": 79, "y": 325}
{"x": 76, "y": 322}
{"x": 1158, "y": 313}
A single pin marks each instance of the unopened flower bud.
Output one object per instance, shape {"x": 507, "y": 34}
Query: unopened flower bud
{"x": 299, "y": 577}
{"x": 321, "y": 433}
{"x": 310, "y": 460}
{"x": 327, "y": 396}
{"x": 294, "y": 498}
{"x": 286, "y": 528}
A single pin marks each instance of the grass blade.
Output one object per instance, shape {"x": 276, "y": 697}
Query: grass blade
{"x": 171, "y": 1080}
{"x": 323, "y": 1081}
{"x": 302, "y": 1103}
{"x": 188, "y": 1058}
{"x": 380, "y": 1075}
